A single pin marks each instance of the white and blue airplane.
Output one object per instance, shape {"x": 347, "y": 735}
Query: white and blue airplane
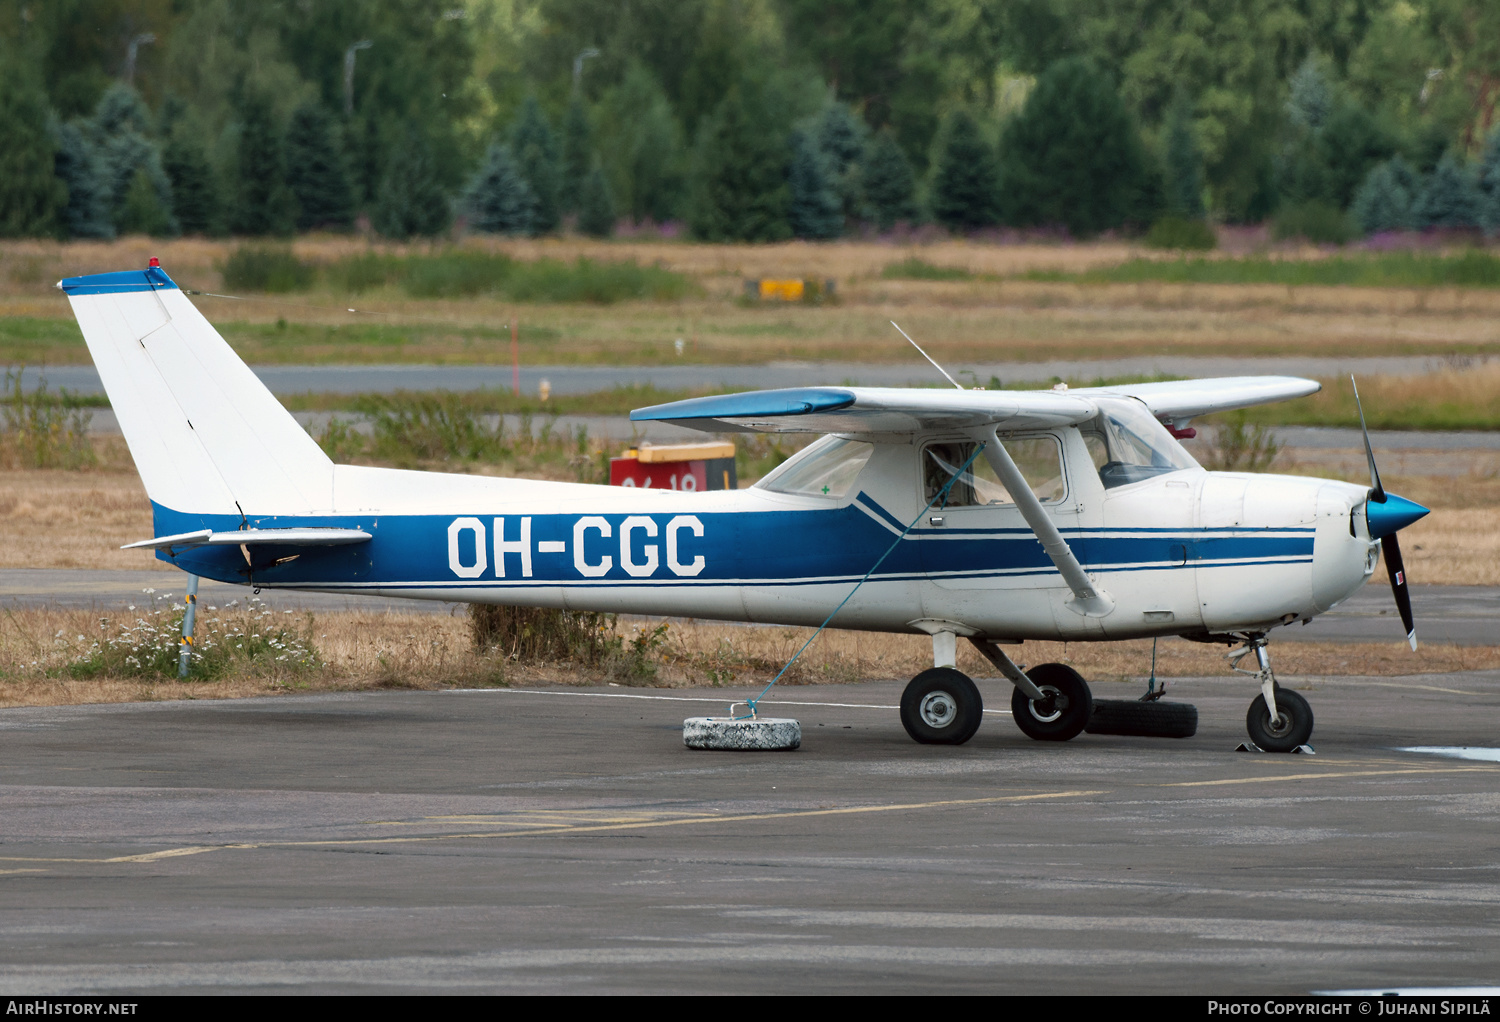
{"x": 1003, "y": 516}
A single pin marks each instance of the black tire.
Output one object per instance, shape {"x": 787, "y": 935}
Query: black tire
{"x": 1293, "y": 726}
{"x": 1148, "y": 720}
{"x": 1066, "y": 711}
{"x": 941, "y": 706}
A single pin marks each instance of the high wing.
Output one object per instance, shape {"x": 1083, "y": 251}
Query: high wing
{"x": 891, "y": 410}
{"x": 1177, "y": 401}
{"x": 870, "y": 410}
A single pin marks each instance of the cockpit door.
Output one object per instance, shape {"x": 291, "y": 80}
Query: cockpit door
{"x": 975, "y": 538}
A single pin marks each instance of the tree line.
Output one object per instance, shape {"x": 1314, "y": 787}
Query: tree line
{"x": 744, "y": 119}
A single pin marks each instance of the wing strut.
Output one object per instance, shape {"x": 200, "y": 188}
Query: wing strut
{"x": 1088, "y": 599}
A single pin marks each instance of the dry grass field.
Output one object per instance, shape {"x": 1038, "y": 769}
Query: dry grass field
{"x": 362, "y": 651}
{"x": 967, "y": 321}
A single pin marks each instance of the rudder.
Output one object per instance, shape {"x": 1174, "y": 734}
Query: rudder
{"x": 206, "y": 435}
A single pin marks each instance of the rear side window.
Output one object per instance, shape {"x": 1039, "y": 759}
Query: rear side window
{"x": 828, "y": 468}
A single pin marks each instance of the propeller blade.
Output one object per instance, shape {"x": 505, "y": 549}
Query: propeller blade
{"x": 1377, "y": 492}
{"x": 1397, "y": 570}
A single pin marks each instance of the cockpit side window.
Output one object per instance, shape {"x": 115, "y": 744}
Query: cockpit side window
{"x": 1127, "y": 444}
{"x": 827, "y": 468}
{"x": 1038, "y": 457}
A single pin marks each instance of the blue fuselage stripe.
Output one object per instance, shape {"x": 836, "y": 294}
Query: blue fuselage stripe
{"x": 748, "y": 548}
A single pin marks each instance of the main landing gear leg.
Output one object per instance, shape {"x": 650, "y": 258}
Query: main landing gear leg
{"x": 1279, "y": 720}
{"x": 1051, "y": 702}
{"x": 942, "y": 706}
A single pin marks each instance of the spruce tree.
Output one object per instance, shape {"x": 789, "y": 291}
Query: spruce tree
{"x": 498, "y": 199}
{"x": 316, "y": 171}
{"x": 1450, "y": 197}
{"x": 740, "y": 190}
{"x": 410, "y": 200}
{"x": 264, "y": 203}
{"x": 119, "y": 131}
{"x": 195, "y": 197}
{"x": 1310, "y": 96}
{"x": 640, "y": 141}
{"x": 816, "y": 212}
{"x": 1489, "y": 184}
{"x": 1073, "y": 156}
{"x": 596, "y": 210}
{"x": 840, "y": 137}
{"x": 32, "y": 197}
{"x": 577, "y": 157}
{"x": 535, "y": 151}
{"x": 79, "y": 166}
{"x": 965, "y": 183}
{"x": 1184, "y": 164}
{"x": 888, "y": 182}
{"x": 1351, "y": 142}
{"x": 1384, "y": 201}
{"x": 141, "y": 212}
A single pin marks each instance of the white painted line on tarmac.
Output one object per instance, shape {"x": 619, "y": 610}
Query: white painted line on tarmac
{"x": 1397, "y": 991}
{"x": 1482, "y": 753}
{"x": 668, "y": 699}
{"x": 681, "y": 699}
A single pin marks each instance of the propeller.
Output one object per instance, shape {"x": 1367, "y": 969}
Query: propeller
{"x": 1385, "y": 515}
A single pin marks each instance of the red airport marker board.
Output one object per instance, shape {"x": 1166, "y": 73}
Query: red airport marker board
{"x": 706, "y": 466}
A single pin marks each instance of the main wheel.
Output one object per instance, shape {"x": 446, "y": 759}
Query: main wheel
{"x": 1157, "y": 719}
{"x": 1065, "y": 711}
{"x": 941, "y": 707}
{"x": 1292, "y": 727}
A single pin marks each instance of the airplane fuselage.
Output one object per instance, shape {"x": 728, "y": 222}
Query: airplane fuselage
{"x": 1183, "y": 552}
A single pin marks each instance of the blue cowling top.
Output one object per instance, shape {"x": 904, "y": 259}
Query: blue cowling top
{"x": 1392, "y": 516}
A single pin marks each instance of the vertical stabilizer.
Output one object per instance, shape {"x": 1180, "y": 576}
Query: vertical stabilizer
{"x": 206, "y": 435}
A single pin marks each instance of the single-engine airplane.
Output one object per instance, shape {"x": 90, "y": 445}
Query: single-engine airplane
{"x": 1007, "y": 515}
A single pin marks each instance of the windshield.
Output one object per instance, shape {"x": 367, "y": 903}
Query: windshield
{"x": 1128, "y": 444}
{"x": 827, "y": 468}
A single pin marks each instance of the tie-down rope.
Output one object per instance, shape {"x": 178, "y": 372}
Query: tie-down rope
{"x": 940, "y": 495}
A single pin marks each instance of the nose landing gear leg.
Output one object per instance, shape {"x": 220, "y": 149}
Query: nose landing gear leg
{"x": 1279, "y": 719}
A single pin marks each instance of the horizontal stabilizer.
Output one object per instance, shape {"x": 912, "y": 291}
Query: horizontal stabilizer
{"x": 254, "y": 537}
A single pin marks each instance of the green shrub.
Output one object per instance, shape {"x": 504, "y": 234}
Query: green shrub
{"x": 539, "y": 633}
{"x": 42, "y": 430}
{"x": 1317, "y": 222}
{"x": 438, "y": 426}
{"x": 1238, "y": 446}
{"x": 362, "y": 273}
{"x": 237, "y": 639}
{"x": 1176, "y": 232}
{"x": 455, "y": 274}
{"x": 1473, "y": 268}
{"x": 458, "y": 274}
{"x": 547, "y": 280}
{"x": 913, "y": 268}
{"x": 266, "y": 268}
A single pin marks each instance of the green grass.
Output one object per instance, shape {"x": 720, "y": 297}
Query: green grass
{"x": 459, "y": 274}
{"x": 913, "y": 268}
{"x": 617, "y": 401}
{"x": 268, "y": 268}
{"x": 1388, "y": 269}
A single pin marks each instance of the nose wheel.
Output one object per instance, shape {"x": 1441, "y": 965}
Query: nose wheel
{"x": 1279, "y": 720}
